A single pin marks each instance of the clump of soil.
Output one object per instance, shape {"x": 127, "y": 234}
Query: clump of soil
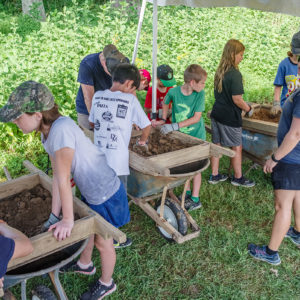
{"x": 28, "y": 210}
{"x": 158, "y": 144}
{"x": 264, "y": 114}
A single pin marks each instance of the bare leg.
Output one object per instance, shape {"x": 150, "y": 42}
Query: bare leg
{"x": 196, "y": 185}
{"x": 214, "y": 161}
{"x": 86, "y": 254}
{"x": 236, "y": 161}
{"x": 108, "y": 257}
{"x": 282, "y": 220}
{"x": 296, "y": 209}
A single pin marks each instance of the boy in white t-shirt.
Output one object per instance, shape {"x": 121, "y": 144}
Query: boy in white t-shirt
{"x": 112, "y": 114}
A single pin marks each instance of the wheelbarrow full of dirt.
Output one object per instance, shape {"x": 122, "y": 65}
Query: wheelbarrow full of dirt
{"x": 170, "y": 161}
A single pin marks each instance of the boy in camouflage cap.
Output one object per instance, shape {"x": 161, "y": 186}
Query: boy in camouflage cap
{"x": 30, "y": 96}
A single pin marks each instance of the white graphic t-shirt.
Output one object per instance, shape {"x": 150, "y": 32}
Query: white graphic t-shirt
{"x": 113, "y": 114}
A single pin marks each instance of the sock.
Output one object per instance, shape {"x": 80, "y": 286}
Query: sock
{"x": 195, "y": 199}
{"x": 295, "y": 231}
{"x": 189, "y": 193}
{"x": 270, "y": 252}
{"x": 83, "y": 266}
{"x": 106, "y": 284}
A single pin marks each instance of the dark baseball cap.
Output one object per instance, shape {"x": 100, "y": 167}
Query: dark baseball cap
{"x": 113, "y": 57}
{"x": 165, "y": 74}
{"x": 296, "y": 43}
{"x": 30, "y": 96}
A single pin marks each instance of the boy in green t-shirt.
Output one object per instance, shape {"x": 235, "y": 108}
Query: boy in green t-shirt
{"x": 187, "y": 107}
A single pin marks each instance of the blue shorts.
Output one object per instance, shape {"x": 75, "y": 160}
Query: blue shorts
{"x": 286, "y": 177}
{"x": 114, "y": 210}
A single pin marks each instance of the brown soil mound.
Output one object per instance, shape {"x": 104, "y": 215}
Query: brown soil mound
{"x": 158, "y": 144}
{"x": 264, "y": 114}
{"x": 28, "y": 210}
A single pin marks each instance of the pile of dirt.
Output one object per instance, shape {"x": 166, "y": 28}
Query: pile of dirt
{"x": 28, "y": 210}
{"x": 264, "y": 114}
{"x": 158, "y": 144}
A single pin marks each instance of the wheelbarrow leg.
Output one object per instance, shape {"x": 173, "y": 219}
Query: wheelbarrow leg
{"x": 57, "y": 285}
{"x": 23, "y": 290}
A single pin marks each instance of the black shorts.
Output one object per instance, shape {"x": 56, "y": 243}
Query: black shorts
{"x": 286, "y": 177}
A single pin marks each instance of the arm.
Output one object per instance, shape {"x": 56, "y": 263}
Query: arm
{"x": 145, "y": 135}
{"x": 56, "y": 203}
{"x": 62, "y": 162}
{"x": 88, "y": 93}
{"x": 194, "y": 119}
{"x": 23, "y": 245}
{"x": 289, "y": 142}
{"x": 276, "y": 102}
{"x": 277, "y": 92}
{"x": 239, "y": 102}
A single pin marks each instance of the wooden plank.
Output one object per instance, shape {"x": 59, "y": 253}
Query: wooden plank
{"x": 106, "y": 230}
{"x": 45, "y": 243}
{"x": 180, "y": 157}
{"x": 268, "y": 128}
{"x": 142, "y": 164}
{"x": 217, "y": 151}
{"x": 18, "y": 185}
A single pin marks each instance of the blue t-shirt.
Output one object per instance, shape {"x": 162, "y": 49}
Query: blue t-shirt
{"x": 290, "y": 109}
{"x": 285, "y": 77}
{"x": 7, "y": 248}
{"x": 91, "y": 73}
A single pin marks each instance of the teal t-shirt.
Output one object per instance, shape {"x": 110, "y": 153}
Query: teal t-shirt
{"x": 184, "y": 107}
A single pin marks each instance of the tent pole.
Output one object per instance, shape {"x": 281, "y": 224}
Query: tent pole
{"x": 138, "y": 33}
{"x": 154, "y": 60}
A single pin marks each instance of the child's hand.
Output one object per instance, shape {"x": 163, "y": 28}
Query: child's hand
{"x": 155, "y": 123}
{"x": 62, "y": 229}
{"x": 169, "y": 128}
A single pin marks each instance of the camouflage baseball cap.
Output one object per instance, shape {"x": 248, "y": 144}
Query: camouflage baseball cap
{"x": 30, "y": 96}
{"x": 113, "y": 57}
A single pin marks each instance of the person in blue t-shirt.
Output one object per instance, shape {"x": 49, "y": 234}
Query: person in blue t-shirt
{"x": 13, "y": 244}
{"x": 284, "y": 83}
{"x": 95, "y": 75}
{"x": 285, "y": 167}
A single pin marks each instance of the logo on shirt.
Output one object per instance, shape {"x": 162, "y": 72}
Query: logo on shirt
{"x": 101, "y": 105}
{"x": 97, "y": 125}
{"x": 122, "y": 111}
{"x": 107, "y": 116}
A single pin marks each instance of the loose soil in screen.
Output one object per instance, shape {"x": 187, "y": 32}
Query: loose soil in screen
{"x": 264, "y": 114}
{"x": 158, "y": 144}
{"x": 28, "y": 210}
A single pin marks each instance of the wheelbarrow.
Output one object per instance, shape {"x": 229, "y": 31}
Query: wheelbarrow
{"x": 258, "y": 138}
{"x": 154, "y": 178}
{"x": 47, "y": 265}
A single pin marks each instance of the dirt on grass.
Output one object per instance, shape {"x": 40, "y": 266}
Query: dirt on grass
{"x": 264, "y": 114}
{"x": 158, "y": 144}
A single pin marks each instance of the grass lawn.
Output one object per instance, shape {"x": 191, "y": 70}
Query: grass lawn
{"x": 215, "y": 265}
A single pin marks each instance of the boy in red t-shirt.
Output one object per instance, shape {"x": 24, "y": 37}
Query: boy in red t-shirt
{"x": 165, "y": 81}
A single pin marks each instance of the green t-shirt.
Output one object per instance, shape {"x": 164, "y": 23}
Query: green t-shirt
{"x": 184, "y": 107}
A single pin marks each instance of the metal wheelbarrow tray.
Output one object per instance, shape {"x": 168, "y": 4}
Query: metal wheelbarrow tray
{"x": 45, "y": 244}
{"x": 154, "y": 177}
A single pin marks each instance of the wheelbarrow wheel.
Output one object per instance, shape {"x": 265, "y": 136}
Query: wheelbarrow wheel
{"x": 42, "y": 292}
{"x": 175, "y": 216}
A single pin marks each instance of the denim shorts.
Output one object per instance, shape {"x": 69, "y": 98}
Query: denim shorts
{"x": 115, "y": 210}
{"x": 225, "y": 135}
{"x": 286, "y": 177}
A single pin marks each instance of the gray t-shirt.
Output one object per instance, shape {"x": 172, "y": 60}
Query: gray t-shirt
{"x": 96, "y": 181}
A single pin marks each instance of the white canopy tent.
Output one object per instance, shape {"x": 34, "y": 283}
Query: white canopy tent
{"x": 291, "y": 7}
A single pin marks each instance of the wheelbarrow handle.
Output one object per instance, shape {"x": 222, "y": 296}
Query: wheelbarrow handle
{"x": 1, "y": 292}
{"x": 218, "y": 151}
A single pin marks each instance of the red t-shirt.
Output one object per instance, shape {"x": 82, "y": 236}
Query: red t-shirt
{"x": 159, "y": 102}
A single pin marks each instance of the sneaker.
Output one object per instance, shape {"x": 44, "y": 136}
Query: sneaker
{"x": 295, "y": 238}
{"x": 260, "y": 253}
{"x": 127, "y": 243}
{"x": 72, "y": 267}
{"x": 243, "y": 181}
{"x": 214, "y": 179}
{"x": 189, "y": 204}
{"x": 98, "y": 291}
